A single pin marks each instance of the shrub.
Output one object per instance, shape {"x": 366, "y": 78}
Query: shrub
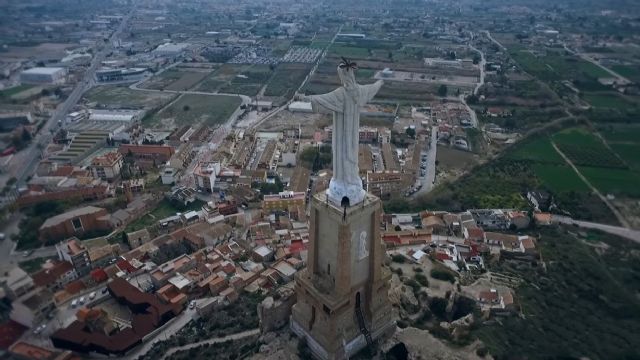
{"x": 397, "y": 258}
{"x": 413, "y": 284}
{"x": 422, "y": 280}
{"x": 418, "y": 269}
{"x": 438, "y": 307}
{"x": 482, "y": 352}
{"x": 444, "y": 275}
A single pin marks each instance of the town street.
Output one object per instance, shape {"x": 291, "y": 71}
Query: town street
{"x": 430, "y": 177}
{"x": 633, "y": 235}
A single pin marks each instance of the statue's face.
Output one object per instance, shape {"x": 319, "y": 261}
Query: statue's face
{"x": 347, "y": 77}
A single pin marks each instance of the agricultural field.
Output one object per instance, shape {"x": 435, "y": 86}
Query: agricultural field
{"x": 539, "y": 150}
{"x": 221, "y": 77}
{"x": 559, "y": 178}
{"x": 613, "y": 181}
{"x": 122, "y": 96}
{"x": 585, "y": 149}
{"x": 7, "y": 93}
{"x": 287, "y": 79}
{"x": 188, "y": 109}
{"x": 611, "y": 173}
{"x": 609, "y": 100}
{"x": 548, "y": 166}
{"x": 249, "y": 82}
{"x": 630, "y": 72}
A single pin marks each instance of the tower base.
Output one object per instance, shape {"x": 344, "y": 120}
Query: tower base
{"x": 351, "y": 348}
{"x": 342, "y": 302}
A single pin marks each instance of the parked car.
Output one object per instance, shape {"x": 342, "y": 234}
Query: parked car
{"x": 2, "y": 236}
{"x": 81, "y": 301}
{"x": 74, "y": 303}
{"x": 92, "y": 295}
{"x": 192, "y": 304}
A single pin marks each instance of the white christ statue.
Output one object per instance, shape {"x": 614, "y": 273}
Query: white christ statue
{"x": 345, "y": 187}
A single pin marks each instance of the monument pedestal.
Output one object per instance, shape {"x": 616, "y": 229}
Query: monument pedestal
{"x": 342, "y": 295}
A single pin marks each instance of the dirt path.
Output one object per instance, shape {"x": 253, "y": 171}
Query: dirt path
{"x": 236, "y": 336}
{"x": 615, "y": 211}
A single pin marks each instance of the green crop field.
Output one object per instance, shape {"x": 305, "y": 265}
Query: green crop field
{"x": 539, "y": 150}
{"x": 628, "y": 71}
{"x": 15, "y": 90}
{"x": 613, "y": 181}
{"x": 630, "y": 153}
{"x": 559, "y": 178}
{"x": 191, "y": 109}
{"x": 287, "y": 79}
{"x": 608, "y": 100}
{"x": 554, "y": 67}
{"x": 351, "y": 52}
{"x": 621, "y": 133}
{"x": 585, "y": 149}
{"x": 248, "y": 82}
{"x": 221, "y": 77}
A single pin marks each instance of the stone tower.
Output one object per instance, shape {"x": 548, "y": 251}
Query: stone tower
{"x": 342, "y": 295}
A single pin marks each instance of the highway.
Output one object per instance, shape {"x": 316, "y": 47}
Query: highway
{"x": 24, "y": 163}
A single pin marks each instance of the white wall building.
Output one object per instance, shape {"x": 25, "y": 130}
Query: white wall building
{"x": 44, "y": 75}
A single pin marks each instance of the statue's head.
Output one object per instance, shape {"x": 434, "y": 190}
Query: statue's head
{"x": 347, "y": 73}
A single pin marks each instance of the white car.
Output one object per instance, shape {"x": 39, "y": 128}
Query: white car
{"x": 74, "y": 303}
{"x": 81, "y": 301}
{"x": 92, "y": 295}
{"x": 2, "y": 236}
{"x": 192, "y": 304}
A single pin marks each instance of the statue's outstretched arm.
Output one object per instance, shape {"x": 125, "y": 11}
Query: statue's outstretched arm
{"x": 367, "y": 92}
{"x": 332, "y": 101}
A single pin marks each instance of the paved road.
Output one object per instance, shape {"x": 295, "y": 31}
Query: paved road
{"x": 430, "y": 176}
{"x": 236, "y": 336}
{"x": 585, "y": 57}
{"x": 613, "y": 209}
{"x": 472, "y": 114}
{"x": 180, "y": 321}
{"x": 633, "y": 235}
{"x": 27, "y": 161}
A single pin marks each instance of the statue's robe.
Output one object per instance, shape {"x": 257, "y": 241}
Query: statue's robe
{"x": 345, "y": 103}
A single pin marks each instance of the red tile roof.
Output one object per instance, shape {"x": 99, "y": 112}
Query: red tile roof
{"x": 46, "y": 277}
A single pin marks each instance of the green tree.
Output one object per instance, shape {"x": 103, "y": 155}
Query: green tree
{"x": 411, "y": 132}
{"x": 442, "y": 90}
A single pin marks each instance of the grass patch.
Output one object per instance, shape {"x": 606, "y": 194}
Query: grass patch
{"x": 125, "y": 97}
{"x": 15, "y": 90}
{"x": 208, "y": 109}
{"x": 164, "y": 209}
{"x": 33, "y": 265}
